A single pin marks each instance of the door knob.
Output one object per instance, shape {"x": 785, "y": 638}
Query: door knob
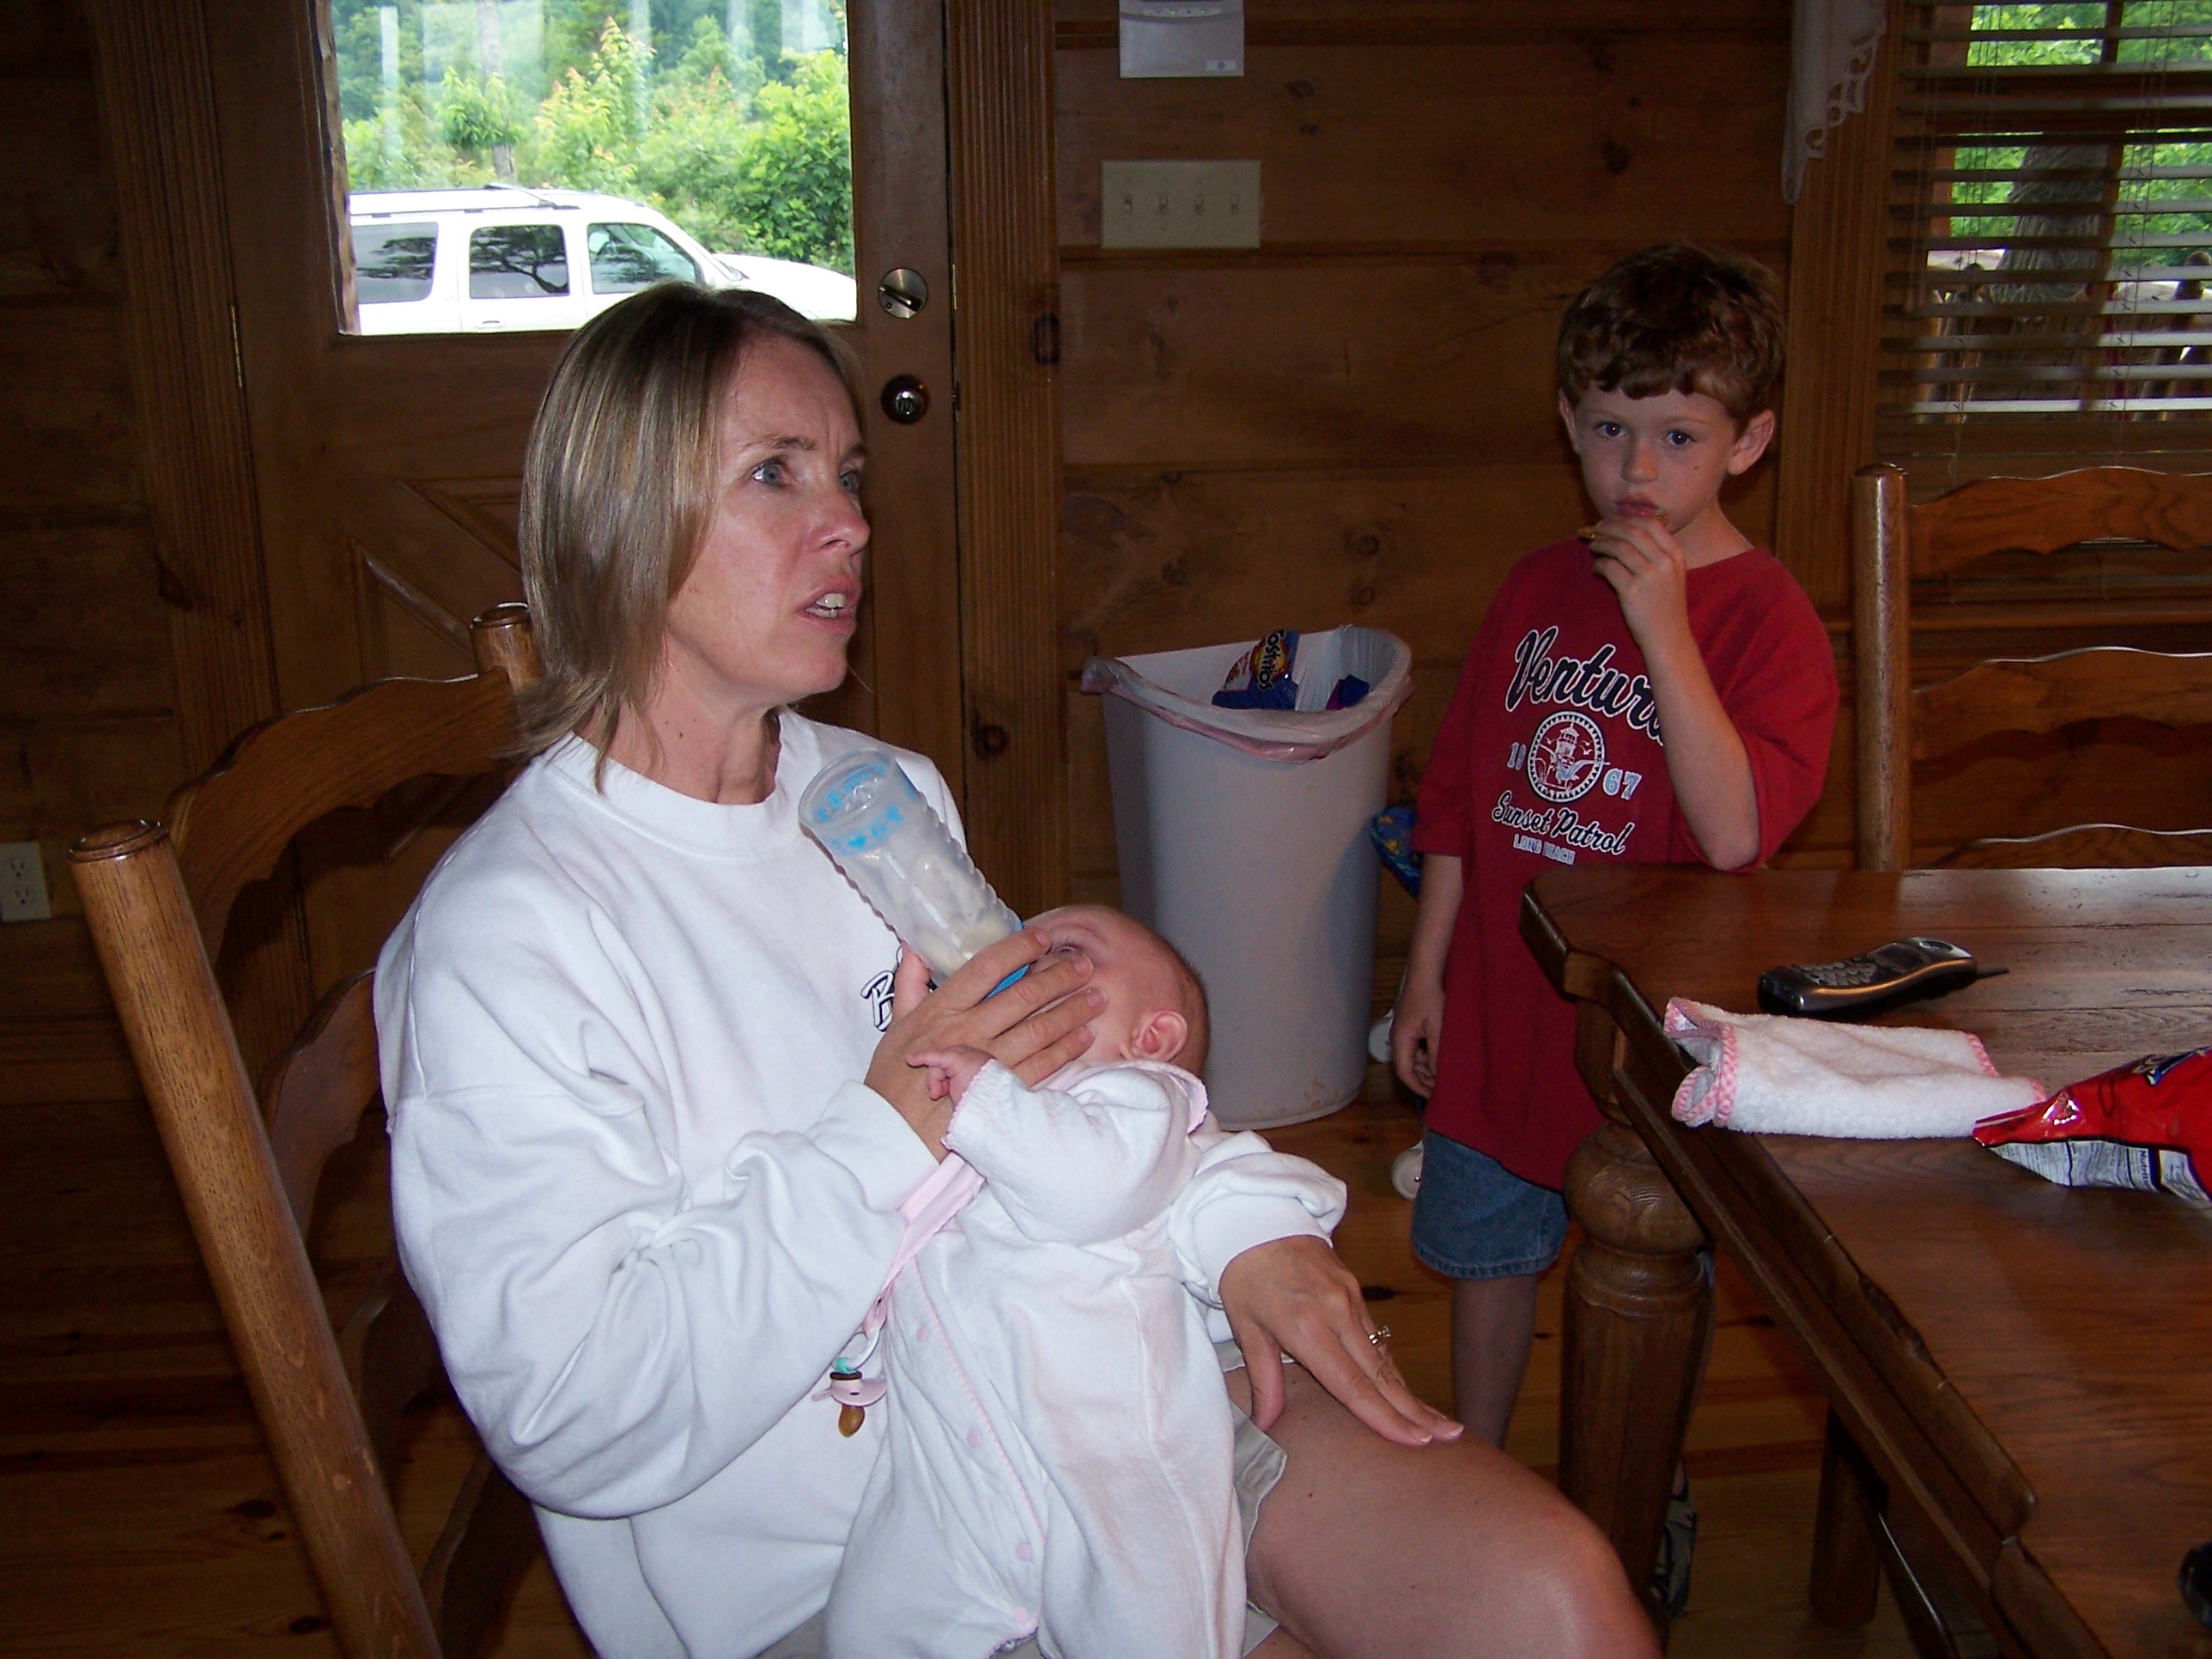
{"x": 905, "y": 398}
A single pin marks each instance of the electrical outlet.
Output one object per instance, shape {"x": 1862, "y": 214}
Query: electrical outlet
{"x": 1179, "y": 204}
{"x": 23, "y": 882}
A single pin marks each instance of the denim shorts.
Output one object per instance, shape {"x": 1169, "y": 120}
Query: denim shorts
{"x": 1474, "y": 1219}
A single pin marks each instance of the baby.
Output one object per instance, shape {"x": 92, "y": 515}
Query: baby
{"x": 1058, "y": 1455}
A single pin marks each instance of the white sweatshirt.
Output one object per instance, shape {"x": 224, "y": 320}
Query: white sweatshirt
{"x": 642, "y": 1195}
{"x": 1060, "y": 1444}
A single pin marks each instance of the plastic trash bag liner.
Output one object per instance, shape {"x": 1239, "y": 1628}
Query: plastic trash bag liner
{"x": 1178, "y": 686}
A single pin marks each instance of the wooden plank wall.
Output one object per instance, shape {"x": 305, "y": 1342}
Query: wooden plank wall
{"x": 86, "y": 685}
{"x": 1355, "y": 422}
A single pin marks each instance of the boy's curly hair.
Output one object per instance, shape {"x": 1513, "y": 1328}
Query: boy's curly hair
{"x": 1677, "y": 317}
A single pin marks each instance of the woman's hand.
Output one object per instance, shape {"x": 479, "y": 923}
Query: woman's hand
{"x": 1032, "y": 1028}
{"x": 1293, "y": 1297}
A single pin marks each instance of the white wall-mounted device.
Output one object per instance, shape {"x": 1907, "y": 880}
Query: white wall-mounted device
{"x": 1168, "y": 37}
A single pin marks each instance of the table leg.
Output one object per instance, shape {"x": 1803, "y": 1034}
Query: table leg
{"x": 1846, "y": 1559}
{"x": 1639, "y": 1309}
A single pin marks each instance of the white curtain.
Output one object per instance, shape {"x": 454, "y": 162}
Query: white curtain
{"x": 1831, "y": 51}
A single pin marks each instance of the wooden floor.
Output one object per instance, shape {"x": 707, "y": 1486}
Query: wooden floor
{"x": 139, "y": 1515}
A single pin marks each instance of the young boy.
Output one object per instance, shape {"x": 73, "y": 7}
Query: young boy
{"x": 1060, "y": 1456}
{"x": 1658, "y": 690}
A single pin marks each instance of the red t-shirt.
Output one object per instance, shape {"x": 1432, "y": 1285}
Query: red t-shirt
{"x": 1551, "y": 754}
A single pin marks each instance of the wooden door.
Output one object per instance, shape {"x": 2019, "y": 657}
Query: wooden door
{"x": 387, "y": 469}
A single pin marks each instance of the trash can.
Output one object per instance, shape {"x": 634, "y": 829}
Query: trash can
{"x": 1243, "y": 837}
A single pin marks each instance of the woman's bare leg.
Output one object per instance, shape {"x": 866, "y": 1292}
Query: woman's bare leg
{"x": 1366, "y": 1549}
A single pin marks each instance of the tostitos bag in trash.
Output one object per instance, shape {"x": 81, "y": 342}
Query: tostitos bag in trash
{"x": 2148, "y": 1125}
{"x": 1261, "y": 678}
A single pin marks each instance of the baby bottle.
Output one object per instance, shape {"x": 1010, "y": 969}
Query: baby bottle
{"x": 869, "y": 818}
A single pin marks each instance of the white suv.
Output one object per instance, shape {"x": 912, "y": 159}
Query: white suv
{"x": 502, "y": 258}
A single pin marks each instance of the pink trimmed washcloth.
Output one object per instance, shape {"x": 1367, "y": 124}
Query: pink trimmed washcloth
{"x": 1768, "y": 1074}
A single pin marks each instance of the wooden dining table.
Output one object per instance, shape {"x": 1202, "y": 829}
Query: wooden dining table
{"x": 2020, "y": 1374}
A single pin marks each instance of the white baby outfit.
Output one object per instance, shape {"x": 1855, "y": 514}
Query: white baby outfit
{"x": 1058, "y": 1456}
{"x": 646, "y": 1200}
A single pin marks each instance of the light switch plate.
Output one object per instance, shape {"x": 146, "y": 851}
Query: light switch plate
{"x": 1179, "y": 204}
{"x": 22, "y": 882}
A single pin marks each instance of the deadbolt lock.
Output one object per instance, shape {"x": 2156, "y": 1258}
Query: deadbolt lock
{"x": 902, "y": 292}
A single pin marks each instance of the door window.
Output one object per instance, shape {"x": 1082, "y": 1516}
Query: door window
{"x": 392, "y": 264}
{"x": 517, "y": 262}
{"x": 627, "y": 258}
{"x": 732, "y": 119}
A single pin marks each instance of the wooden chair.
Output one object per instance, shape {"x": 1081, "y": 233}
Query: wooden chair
{"x": 1894, "y": 542}
{"x": 1859, "y": 1536}
{"x": 158, "y": 900}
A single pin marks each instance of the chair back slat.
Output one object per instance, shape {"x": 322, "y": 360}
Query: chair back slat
{"x": 313, "y": 1096}
{"x": 1894, "y": 542}
{"x": 491, "y": 1526}
{"x": 391, "y": 1359}
{"x": 2041, "y": 515}
{"x": 233, "y": 824}
{"x": 2043, "y": 693}
{"x": 2086, "y": 846}
{"x": 142, "y": 923}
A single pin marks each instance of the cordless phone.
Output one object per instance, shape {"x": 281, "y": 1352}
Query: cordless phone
{"x": 1904, "y": 970}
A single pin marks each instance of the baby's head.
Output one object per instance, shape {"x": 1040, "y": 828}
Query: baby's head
{"x": 1155, "y": 1006}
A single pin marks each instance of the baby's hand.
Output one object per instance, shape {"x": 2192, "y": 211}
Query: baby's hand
{"x": 950, "y": 1070}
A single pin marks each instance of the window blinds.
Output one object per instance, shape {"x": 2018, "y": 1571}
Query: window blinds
{"x": 2051, "y": 213}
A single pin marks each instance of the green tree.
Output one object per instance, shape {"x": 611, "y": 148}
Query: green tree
{"x": 753, "y": 165}
{"x": 748, "y": 156}
{"x": 357, "y": 32}
{"x": 403, "y": 147}
{"x": 797, "y": 167}
{"x": 698, "y": 129}
{"x": 2087, "y": 20}
{"x": 574, "y": 29}
{"x": 586, "y": 133}
{"x": 477, "y": 116}
{"x": 708, "y": 51}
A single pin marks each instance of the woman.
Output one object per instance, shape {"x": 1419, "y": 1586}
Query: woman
{"x": 647, "y": 1056}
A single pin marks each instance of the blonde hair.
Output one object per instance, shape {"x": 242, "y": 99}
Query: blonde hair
{"x": 618, "y": 488}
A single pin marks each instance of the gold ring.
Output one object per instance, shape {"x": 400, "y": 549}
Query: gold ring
{"x": 1379, "y": 1335}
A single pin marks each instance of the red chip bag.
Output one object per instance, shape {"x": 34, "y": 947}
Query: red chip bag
{"x": 2148, "y": 1125}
